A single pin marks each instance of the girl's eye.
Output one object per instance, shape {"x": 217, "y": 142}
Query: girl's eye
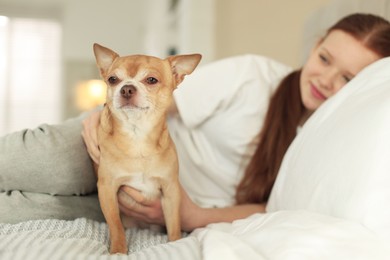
{"x": 323, "y": 58}
{"x": 347, "y": 79}
{"x": 151, "y": 80}
{"x": 112, "y": 80}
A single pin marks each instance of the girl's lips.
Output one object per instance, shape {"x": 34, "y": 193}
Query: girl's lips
{"x": 316, "y": 93}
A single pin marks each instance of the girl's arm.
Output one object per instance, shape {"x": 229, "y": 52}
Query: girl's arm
{"x": 133, "y": 204}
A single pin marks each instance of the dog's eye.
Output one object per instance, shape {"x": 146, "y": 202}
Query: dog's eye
{"x": 112, "y": 80}
{"x": 151, "y": 80}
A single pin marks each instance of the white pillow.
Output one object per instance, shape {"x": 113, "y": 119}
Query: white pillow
{"x": 339, "y": 164}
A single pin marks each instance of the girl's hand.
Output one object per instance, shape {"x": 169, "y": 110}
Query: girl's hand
{"x": 133, "y": 204}
{"x": 89, "y": 134}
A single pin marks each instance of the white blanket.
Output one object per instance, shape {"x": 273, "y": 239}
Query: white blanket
{"x": 292, "y": 235}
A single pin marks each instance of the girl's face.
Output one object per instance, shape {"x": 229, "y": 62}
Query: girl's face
{"x": 331, "y": 64}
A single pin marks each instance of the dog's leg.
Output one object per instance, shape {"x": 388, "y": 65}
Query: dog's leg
{"x": 170, "y": 201}
{"x": 109, "y": 203}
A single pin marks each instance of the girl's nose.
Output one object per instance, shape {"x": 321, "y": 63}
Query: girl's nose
{"x": 327, "y": 79}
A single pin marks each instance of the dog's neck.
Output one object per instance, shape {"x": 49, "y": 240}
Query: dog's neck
{"x": 150, "y": 128}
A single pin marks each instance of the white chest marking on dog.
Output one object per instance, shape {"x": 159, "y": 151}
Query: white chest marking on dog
{"x": 149, "y": 187}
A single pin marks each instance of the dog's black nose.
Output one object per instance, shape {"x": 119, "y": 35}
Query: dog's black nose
{"x": 127, "y": 91}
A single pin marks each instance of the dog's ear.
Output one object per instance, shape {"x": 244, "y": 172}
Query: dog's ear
{"x": 104, "y": 58}
{"x": 183, "y": 65}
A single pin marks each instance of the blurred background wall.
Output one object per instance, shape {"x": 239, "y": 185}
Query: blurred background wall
{"x": 214, "y": 28}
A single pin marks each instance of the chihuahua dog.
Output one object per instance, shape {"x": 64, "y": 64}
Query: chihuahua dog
{"x": 136, "y": 148}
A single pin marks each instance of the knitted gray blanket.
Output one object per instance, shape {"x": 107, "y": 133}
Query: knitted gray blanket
{"x": 87, "y": 239}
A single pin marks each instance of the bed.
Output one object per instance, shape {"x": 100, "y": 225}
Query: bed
{"x": 324, "y": 205}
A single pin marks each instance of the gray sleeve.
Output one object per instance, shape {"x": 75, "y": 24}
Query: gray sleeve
{"x": 49, "y": 159}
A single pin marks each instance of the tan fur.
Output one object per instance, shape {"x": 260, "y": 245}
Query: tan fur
{"x": 136, "y": 149}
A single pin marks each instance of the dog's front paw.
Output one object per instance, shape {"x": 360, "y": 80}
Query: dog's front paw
{"x": 118, "y": 248}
